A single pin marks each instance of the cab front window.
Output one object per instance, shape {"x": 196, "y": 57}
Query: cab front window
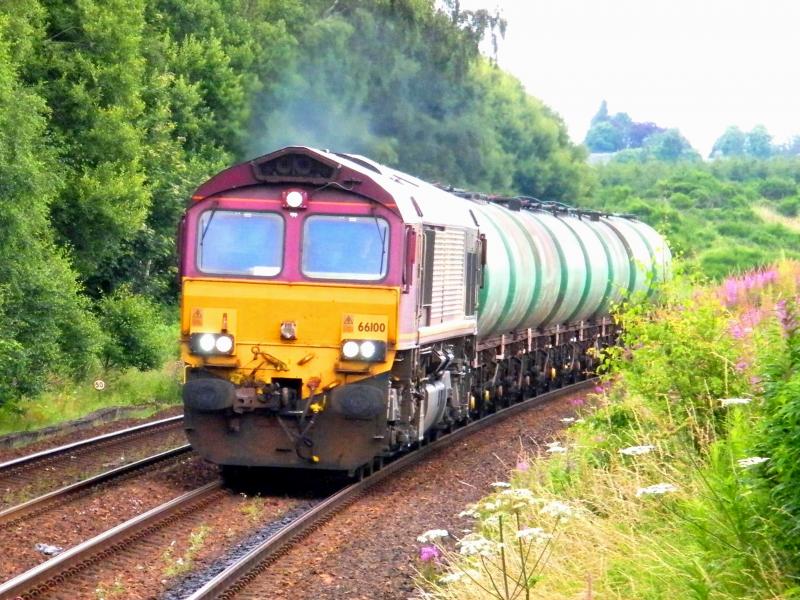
{"x": 345, "y": 247}
{"x": 231, "y": 242}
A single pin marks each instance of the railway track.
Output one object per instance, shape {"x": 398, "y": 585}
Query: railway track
{"x": 69, "y": 575}
{"x": 32, "y": 508}
{"x": 61, "y": 576}
{"x": 236, "y": 578}
{"x": 29, "y": 476}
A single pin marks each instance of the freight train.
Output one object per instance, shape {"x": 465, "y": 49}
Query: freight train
{"x": 335, "y": 312}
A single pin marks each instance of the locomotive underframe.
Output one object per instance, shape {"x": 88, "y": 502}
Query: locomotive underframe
{"x": 430, "y": 389}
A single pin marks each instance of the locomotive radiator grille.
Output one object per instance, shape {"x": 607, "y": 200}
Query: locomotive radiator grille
{"x": 448, "y": 276}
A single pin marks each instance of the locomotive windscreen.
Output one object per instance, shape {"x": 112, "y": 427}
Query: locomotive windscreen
{"x": 345, "y": 247}
{"x": 240, "y": 243}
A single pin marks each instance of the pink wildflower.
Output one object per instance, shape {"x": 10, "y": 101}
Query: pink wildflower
{"x": 736, "y": 330}
{"x": 429, "y": 554}
{"x": 522, "y": 465}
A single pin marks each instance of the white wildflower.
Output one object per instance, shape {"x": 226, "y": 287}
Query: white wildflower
{"x": 659, "y": 488}
{"x": 636, "y": 450}
{"x": 450, "y": 578}
{"x": 473, "y": 545}
{"x": 432, "y": 535}
{"x": 501, "y": 484}
{"x": 537, "y": 533}
{"x": 556, "y": 449}
{"x": 734, "y": 401}
{"x": 556, "y": 508}
{"x": 470, "y": 513}
{"x": 519, "y": 494}
{"x": 567, "y": 420}
{"x": 492, "y": 506}
{"x": 753, "y": 460}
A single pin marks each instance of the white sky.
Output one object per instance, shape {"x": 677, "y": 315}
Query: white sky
{"x": 698, "y": 65}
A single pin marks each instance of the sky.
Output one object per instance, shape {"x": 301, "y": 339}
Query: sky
{"x": 697, "y": 65}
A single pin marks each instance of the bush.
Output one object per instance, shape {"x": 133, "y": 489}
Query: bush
{"x": 776, "y": 188}
{"x": 719, "y": 261}
{"x": 136, "y": 335}
{"x": 789, "y": 207}
{"x": 780, "y": 429}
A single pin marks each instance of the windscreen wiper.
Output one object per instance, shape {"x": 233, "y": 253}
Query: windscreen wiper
{"x": 214, "y": 208}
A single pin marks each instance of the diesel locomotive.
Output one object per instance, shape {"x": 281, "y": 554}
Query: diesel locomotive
{"x": 335, "y": 311}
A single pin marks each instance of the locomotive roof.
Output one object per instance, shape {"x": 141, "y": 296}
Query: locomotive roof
{"x": 411, "y": 198}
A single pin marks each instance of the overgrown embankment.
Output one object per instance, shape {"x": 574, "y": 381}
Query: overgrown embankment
{"x": 680, "y": 483}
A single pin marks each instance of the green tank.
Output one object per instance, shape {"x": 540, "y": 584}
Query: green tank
{"x": 547, "y": 268}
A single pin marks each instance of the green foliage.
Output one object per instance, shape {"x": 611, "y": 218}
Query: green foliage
{"x": 136, "y": 334}
{"x": 47, "y": 328}
{"x": 789, "y": 207}
{"x": 619, "y": 133}
{"x": 777, "y": 188}
{"x": 92, "y": 63}
{"x": 680, "y": 482}
{"x": 669, "y": 146}
{"x": 724, "y": 259}
{"x": 757, "y": 143}
{"x": 779, "y": 431}
{"x": 710, "y": 212}
{"x": 404, "y": 84}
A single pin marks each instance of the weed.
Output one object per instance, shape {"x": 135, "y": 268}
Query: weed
{"x": 252, "y": 508}
{"x": 106, "y": 592}
{"x": 175, "y": 565}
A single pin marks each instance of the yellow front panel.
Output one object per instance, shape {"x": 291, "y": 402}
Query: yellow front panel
{"x": 254, "y": 311}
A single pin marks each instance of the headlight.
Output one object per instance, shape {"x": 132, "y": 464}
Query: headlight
{"x": 211, "y": 343}
{"x": 206, "y": 342}
{"x": 350, "y": 349}
{"x": 366, "y": 350}
{"x": 224, "y": 344}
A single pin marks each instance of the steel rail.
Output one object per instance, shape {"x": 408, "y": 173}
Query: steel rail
{"x": 15, "y": 514}
{"x": 50, "y": 574}
{"x": 236, "y": 577}
{"x": 52, "y": 453}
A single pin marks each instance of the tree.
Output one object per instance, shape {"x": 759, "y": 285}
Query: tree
{"x": 670, "y": 145}
{"x": 758, "y": 142}
{"x": 618, "y": 132}
{"x": 601, "y": 115}
{"x": 604, "y": 137}
{"x": 639, "y": 132}
{"x": 730, "y": 143}
{"x": 46, "y": 328}
{"x": 92, "y": 62}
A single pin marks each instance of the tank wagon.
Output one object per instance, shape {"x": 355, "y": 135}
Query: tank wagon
{"x": 335, "y": 311}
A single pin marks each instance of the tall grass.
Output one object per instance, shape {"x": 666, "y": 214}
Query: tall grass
{"x": 681, "y": 482}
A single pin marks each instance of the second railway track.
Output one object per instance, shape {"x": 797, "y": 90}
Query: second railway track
{"x": 30, "y": 476}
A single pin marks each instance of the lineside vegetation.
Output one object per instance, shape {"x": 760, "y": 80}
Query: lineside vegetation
{"x": 679, "y": 481}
